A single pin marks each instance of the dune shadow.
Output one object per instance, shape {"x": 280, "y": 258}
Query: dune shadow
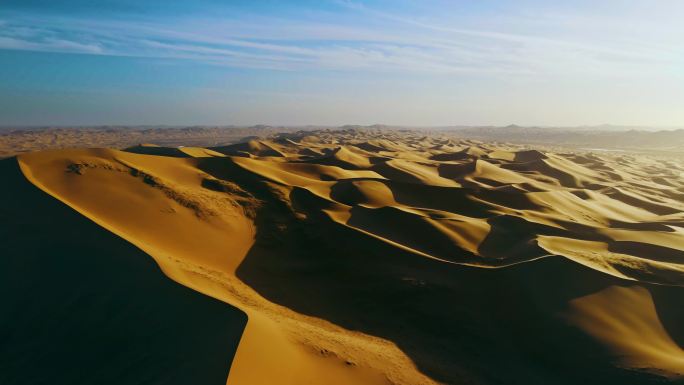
{"x": 82, "y": 306}
{"x": 458, "y": 324}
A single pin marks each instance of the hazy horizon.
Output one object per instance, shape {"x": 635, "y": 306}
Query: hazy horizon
{"x": 598, "y": 127}
{"x": 331, "y": 63}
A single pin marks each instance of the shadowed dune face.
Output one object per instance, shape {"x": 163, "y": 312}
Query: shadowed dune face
{"x": 392, "y": 258}
{"x": 83, "y": 306}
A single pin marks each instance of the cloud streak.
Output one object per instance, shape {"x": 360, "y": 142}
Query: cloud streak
{"x": 365, "y": 39}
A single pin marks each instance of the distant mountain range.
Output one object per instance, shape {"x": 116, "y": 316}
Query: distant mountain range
{"x": 15, "y": 140}
{"x": 594, "y": 137}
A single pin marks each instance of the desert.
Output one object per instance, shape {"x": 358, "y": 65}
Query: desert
{"x": 341, "y": 192}
{"x": 348, "y": 256}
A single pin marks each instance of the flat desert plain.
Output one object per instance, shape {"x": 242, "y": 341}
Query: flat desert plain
{"x": 342, "y": 257}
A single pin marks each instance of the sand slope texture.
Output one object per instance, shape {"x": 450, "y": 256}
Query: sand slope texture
{"x": 342, "y": 257}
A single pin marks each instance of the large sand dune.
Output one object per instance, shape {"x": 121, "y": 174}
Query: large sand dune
{"x": 83, "y": 306}
{"x": 377, "y": 258}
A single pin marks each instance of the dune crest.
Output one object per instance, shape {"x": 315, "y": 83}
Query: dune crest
{"x": 393, "y": 258}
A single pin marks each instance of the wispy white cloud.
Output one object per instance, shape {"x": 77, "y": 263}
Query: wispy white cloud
{"x": 49, "y": 45}
{"x": 614, "y": 42}
{"x": 368, "y": 39}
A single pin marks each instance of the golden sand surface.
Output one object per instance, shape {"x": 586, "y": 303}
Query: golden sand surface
{"x": 363, "y": 257}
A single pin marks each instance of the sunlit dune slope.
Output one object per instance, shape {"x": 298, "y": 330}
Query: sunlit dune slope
{"x": 396, "y": 258}
{"x": 198, "y": 229}
{"x": 83, "y": 306}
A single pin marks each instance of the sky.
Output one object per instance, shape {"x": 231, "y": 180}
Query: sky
{"x": 334, "y": 62}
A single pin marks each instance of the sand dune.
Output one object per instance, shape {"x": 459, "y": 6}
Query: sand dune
{"x": 395, "y": 258}
{"x": 83, "y": 306}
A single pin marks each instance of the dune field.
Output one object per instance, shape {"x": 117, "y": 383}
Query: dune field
{"x": 342, "y": 257}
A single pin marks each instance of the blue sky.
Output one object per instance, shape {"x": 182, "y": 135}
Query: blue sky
{"x": 336, "y": 62}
